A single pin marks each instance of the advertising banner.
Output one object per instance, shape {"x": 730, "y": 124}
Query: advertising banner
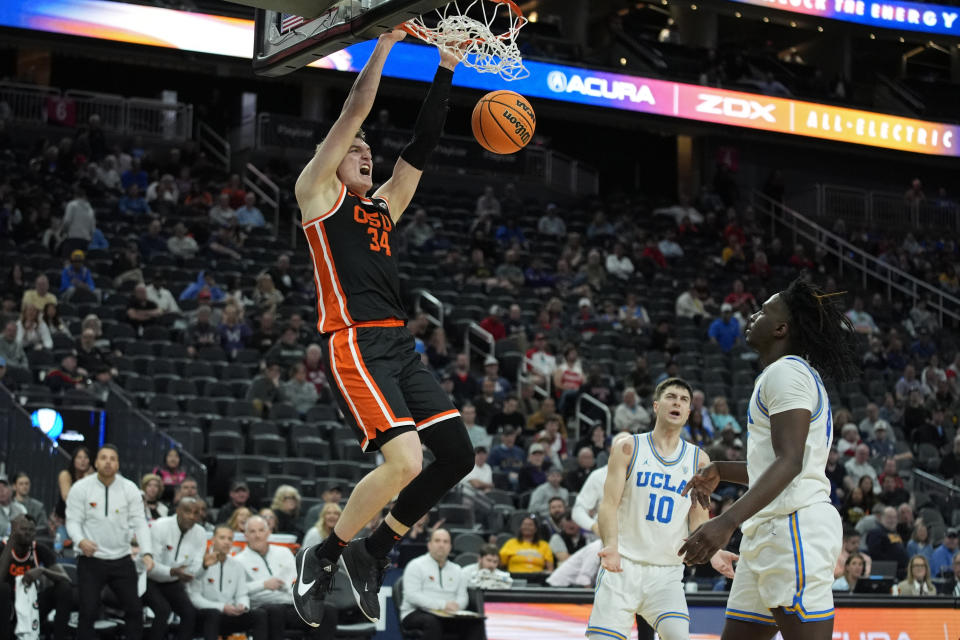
{"x": 535, "y": 621}
{"x": 228, "y": 36}
{"x": 887, "y": 14}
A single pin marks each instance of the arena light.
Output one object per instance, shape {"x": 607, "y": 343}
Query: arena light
{"x": 887, "y": 14}
{"x": 49, "y": 421}
{"x": 232, "y": 37}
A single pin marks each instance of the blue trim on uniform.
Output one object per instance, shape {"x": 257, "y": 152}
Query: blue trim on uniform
{"x": 760, "y": 405}
{"x": 696, "y": 459}
{"x": 670, "y": 614}
{"x": 749, "y": 616}
{"x": 633, "y": 458}
{"x": 610, "y": 633}
{"x": 664, "y": 461}
{"x": 596, "y": 587}
{"x": 816, "y": 382}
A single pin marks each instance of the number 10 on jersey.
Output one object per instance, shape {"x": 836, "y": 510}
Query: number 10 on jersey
{"x": 661, "y": 508}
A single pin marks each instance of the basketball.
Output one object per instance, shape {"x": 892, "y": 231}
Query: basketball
{"x": 503, "y": 122}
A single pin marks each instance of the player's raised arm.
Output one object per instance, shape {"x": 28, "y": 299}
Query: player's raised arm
{"x": 399, "y": 189}
{"x": 621, "y": 451}
{"x": 320, "y": 174}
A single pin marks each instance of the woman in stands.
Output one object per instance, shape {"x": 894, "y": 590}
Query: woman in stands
{"x": 528, "y": 552}
{"x": 32, "y": 331}
{"x": 919, "y": 544}
{"x": 80, "y": 467}
{"x": 854, "y": 507}
{"x": 918, "y": 579}
{"x": 852, "y": 571}
{"x": 286, "y": 504}
{"x": 56, "y": 325}
{"x": 152, "y": 486}
{"x": 171, "y": 474}
{"x": 720, "y": 416}
{"x": 238, "y": 520}
{"x": 266, "y": 296}
{"x": 326, "y": 521}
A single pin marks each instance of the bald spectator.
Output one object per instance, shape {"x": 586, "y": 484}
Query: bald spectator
{"x": 40, "y": 296}
{"x": 860, "y": 466}
{"x": 222, "y": 214}
{"x": 630, "y": 414}
{"x": 885, "y": 544}
{"x": 249, "y": 215}
{"x": 141, "y": 311}
{"x": 541, "y": 496}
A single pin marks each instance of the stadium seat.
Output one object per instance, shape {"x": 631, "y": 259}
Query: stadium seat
{"x": 190, "y": 438}
{"x": 313, "y": 448}
{"x": 268, "y": 445}
{"x": 300, "y": 467}
{"x": 253, "y": 466}
{"x": 468, "y": 542}
{"x": 224, "y": 442}
{"x": 467, "y": 558}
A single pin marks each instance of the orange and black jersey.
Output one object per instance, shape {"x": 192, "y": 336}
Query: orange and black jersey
{"x": 354, "y": 268}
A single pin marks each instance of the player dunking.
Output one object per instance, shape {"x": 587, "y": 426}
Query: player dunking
{"x": 791, "y": 532}
{"x": 390, "y": 399}
{"x": 643, "y": 521}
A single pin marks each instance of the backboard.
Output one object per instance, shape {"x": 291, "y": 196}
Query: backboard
{"x": 293, "y": 33}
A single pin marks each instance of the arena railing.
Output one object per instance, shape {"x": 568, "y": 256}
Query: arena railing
{"x": 884, "y": 210}
{"x": 524, "y": 378}
{"x": 25, "y": 448}
{"x": 590, "y": 421}
{"x": 37, "y": 104}
{"x": 214, "y": 144}
{"x": 429, "y": 304}
{"x": 474, "y": 330}
{"x": 268, "y": 192}
{"x": 871, "y": 269}
{"x": 142, "y": 445}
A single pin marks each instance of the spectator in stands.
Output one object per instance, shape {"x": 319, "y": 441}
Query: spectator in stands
{"x": 219, "y": 593}
{"x": 287, "y": 351}
{"x": 40, "y": 295}
{"x": 891, "y": 494}
{"x": 600, "y": 229}
{"x": 133, "y": 204}
{"x": 76, "y": 276}
{"x": 313, "y": 363}
{"x": 869, "y": 422}
{"x": 862, "y": 321}
{"x": 153, "y": 242}
{"x": 239, "y": 495}
{"x": 265, "y": 389}
{"x": 509, "y": 416}
{"x": 171, "y": 473}
{"x": 919, "y": 543}
{"x": 267, "y": 332}
{"x": 527, "y": 552}
{"x": 249, "y": 216}
{"x": 480, "y": 478}
{"x": 568, "y": 378}
{"x": 721, "y": 417}
{"x": 78, "y": 224}
{"x": 506, "y": 456}
{"x": 486, "y": 402}
{"x": 551, "y": 224}
{"x": 885, "y": 544}
{"x": 552, "y": 488}
{"x": 918, "y": 581}
{"x": 151, "y": 487}
{"x": 618, "y": 264}
{"x": 568, "y": 540}
{"x": 66, "y": 376}
{"x": 487, "y": 203}
{"x": 733, "y": 256}
{"x": 432, "y": 583}
{"x": 282, "y": 275}
{"x": 222, "y": 214}
{"x": 881, "y": 445}
{"x": 32, "y": 331}
{"x": 204, "y": 288}
{"x": 10, "y": 509}
{"x": 950, "y": 463}
{"x": 592, "y": 272}
{"x": 134, "y": 174}
{"x": 542, "y": 362}
{"x": 509, "y": 234}
{"x": 180, "y": 542}
{"x": 160, "y": 295}
{"x": 493, "y": 324}
{"x": 465, "y": 386}
{"x": 851, "y": 546}
{"x": 739, "y": 297}
{"x": 234, "y": 191}
{"x": 921, "y": 317}
{"x": 270, "y": 573}
{"x": 11, "y": 351}
{"x": 633, "y": 316}
{"x": 630, "y": 415}
{"x": 238, "y": 519}
{"x": 234, "y": 333}
{"x": 485, "y": 574}
{"x": 104, "y": 542}
{"x": 586, "y": 463}
{"x": 286, "y": 504}
{"x": 491, "y": 371}
{"x": 141, "y": 310}
{"x": 956, "y": 575}
{"x": 180, "y": 244}
{"x": 690, "y": 305}
{"x": 944, "y": 554}
{"x": 669, "y": 246}
{"x": 202, "y": 332}
{"x": 870, "y": 489}
{"x": 534, "y": 471}
{"x": 21, "y": 495}
{"x": 326, "y": 520}
{"x": 420, "y": 232}
{"x": 914, "y": 194}
{"x": 699, "y": 429}
{"x": 299, "y": 391}
{"x": 852, "y": 572}
{"x": 725, "y": 330}
{"x": 538, "y": 419}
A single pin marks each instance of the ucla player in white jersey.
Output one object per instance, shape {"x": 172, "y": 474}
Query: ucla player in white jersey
{"x": 791, "y": 533}
{"x": 643, "y": 519}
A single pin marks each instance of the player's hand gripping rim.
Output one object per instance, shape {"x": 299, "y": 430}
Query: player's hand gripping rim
{"x": 610, "y": 559}
{"x": 702, "y": 485}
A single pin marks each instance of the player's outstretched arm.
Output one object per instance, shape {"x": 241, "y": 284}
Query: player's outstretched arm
{"x": 321, "y": 172}
{"x": 399, "y": 189}
{"x": 621, "y": 451}
{"x": 722, "y": 560}
{"x": 789, "y": 431}
{"x": 704, "y": 483}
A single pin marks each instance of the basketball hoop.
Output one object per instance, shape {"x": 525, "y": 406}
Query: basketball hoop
{"x": 483, "y": 50}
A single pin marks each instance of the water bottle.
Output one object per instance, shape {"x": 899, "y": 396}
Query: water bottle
{"x": 58, "y": 542}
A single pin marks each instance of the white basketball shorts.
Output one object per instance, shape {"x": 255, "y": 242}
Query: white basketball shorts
{"x": 655, "y": 592}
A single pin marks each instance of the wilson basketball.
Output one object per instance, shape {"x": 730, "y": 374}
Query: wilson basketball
{"x": 503, "y": 122}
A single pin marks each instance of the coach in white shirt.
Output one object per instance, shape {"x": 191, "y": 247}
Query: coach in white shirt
{"x": 178, "y": 543}
{"x": 104, "y": 511}
{"x": 433, "y": 584}
{"x": 219, "y": 592}
{"x": 271, "y": 571}
{"x": 588, "y": 500}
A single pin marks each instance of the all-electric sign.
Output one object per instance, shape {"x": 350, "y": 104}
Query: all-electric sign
{"x": 889, "y": 14}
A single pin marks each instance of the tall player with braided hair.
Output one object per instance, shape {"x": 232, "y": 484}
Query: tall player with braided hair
{"x": 791, "y": 532}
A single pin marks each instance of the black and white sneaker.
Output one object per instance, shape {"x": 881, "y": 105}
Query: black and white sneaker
{"x": 366, "y": 577}
{"x": 314, "y": 581}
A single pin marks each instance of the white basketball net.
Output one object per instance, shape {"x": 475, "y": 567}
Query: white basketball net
{"x": 482, "y": 49}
